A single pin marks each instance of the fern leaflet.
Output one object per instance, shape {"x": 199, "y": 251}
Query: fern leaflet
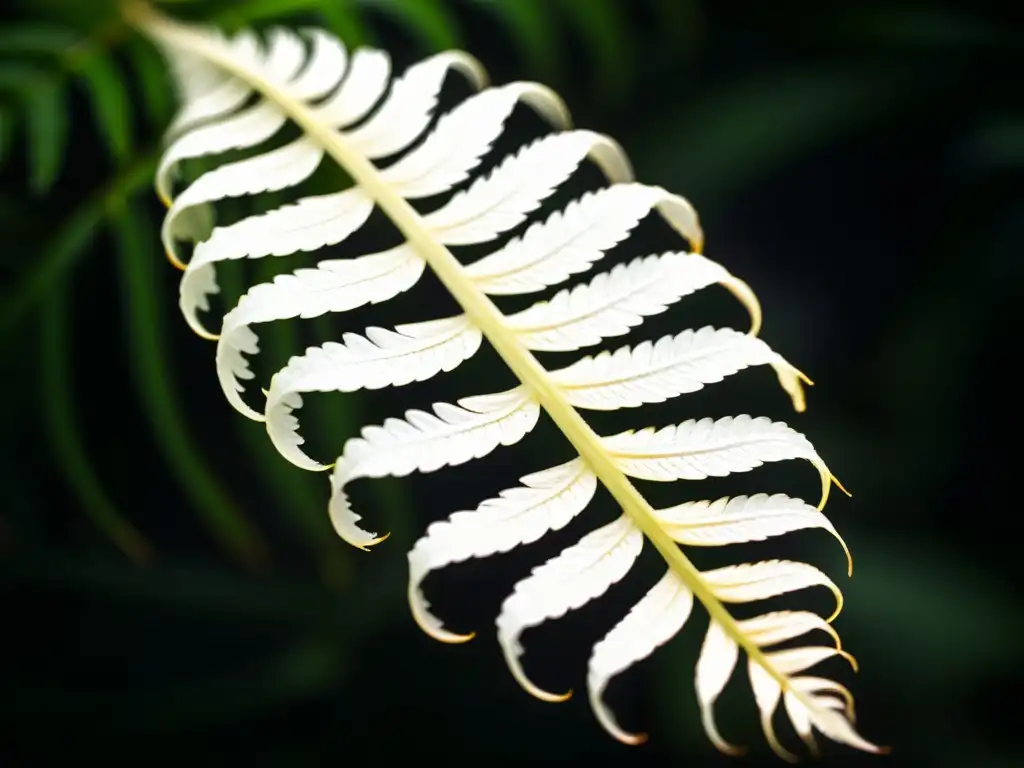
{"x": 239, "y": 92}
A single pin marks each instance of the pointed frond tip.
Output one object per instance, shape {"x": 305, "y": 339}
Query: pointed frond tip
{"x": 238, "y": 93}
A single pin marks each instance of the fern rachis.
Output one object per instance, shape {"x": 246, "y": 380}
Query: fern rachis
{"x": 567, "y": 243}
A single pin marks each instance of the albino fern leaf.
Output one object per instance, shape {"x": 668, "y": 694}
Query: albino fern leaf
{"x": 381, "y": 358}
{"x": 740, "y": 519}
{"x": 365, "y": 81}
{"x": 653, "y": 621}
{"x": 696, "y": 449}
{"x": 613, "y": 302}
{"x": 423, "y": 442}
{"x": 659, "y": 371}
{"x": 579, "y": 574}
{"x": 321, "y": 290}
{"x": 570, "y": 242}
{"x": 546, "y": 501}
{"x": 205, "y": 91}
{"x": 238, "y": 93}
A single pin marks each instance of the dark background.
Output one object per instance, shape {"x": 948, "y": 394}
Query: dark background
{"x": 172, "y": 588}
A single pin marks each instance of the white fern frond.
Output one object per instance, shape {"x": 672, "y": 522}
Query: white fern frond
{"x": 696, "y": 449}
{"x": 206, "y": 91}
{"x": 741, "y": 519}
{"x": 659, "y": 371}
{"x": 381, "y": 358}
{"x": 317, "y": 290}
{"x": 571, "y": 241}
{"x": 613, "y": 302}
{"x": 424, "y": 442}
{"x": 579, "y": 574}
{"x": 653, "y": 621}
{"x": 546, "y": 501}
{"x": 379, "y": 135}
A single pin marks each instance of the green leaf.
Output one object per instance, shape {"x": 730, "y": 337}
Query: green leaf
{"x": 342, "y": 18}
{"x": 69, "y": 244}
{"x": 47, "y": 126}
{"x": 430, "y": 20}
{"x": 146, "y": 338}
{"x": 58, "y": 409}
{"x": 680, "y": 24}
{"x": 740, "y": 134}
{"x": 45, "y": 118}
{"x": 154, "y": 84}
{"x": 605, "y": 30}
{"x": 37, "y": 38}
{"x": 109, "y": 102}
{"x": 245, "y": 14}
{"x": 6, "y": 134}
{"x": 86, "y": 59}
{"x": 529, "y": 22}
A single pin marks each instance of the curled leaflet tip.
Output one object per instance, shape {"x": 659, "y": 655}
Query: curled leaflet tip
{"x": 632, "y": 739}
{"x": 453, "y": 639}
{"x": 173, "y": 258}
{"x": 840, "y": 485}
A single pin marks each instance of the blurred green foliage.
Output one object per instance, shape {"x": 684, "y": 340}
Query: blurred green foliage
{"x": 171, "y": 582}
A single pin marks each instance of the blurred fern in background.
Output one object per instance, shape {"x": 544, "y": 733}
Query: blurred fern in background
{"x": 173, "y": 579}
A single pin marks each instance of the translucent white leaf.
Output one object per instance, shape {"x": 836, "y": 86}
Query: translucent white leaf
{"x": 407, "y": 109}
{"x": 805, "y": 705}
{"x": 268, "y": 172}
{"x": 715, "y": 665}
{"x": 792, "y": 661}
{"x": 579, "y": 574}
{"x": 224, "y": 99}
{"x": 696, "y": 449}
{"x": 381, "y": 358}
{"x": 503, "y": 199}
{"x": 424, "y": 442}
{"x": 800, "y": 719}
{"x": 241, "y": 130}
{"x": 462, "y": 137}
{"x": 206, "y": 92}
{"x": 307, "y": 225}
{"x": 284, "y": 59}
{"x": 741, "y": 519}
{"x": 769, "y": 578}
{"x": 780, "y": 626}
{"x": 294, "y": 72}
{"x": 546, "y": 501}
{"x": 338, "y": 285}
{"x": 653, "y": 372}
{"x": 365, "y": 83}
{"x": 325, "y": 66}
{"x": 613, "y": 302}
{"x": 835, "y": 725}
{"x": 571, "y": 240}
{"x": 653, "y": 621}
{"x": 766, "y": 695}
{"x": 820, "y": 685}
